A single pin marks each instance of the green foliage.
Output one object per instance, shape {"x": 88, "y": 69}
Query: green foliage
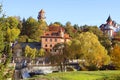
{"x": 70, "y": 29}
{"x": 1, "y": 41}
{"x": 29, "y": 27}
{"x": 29, "y": 52}
{"x": 23, "y": 38}
{"x": 4, "y": 65}
{"x": 12, "y": 34}
{"x": 56, "y": 24}
{"x": 74, "y": 49}
{"x": 12, "y": 22}
{"x": 41, "y": 53}
{"x": 33, "y": 28}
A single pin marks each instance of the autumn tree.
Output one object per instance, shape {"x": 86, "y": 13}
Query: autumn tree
{"x": 103, "y": 38}
{"x": 90, "y": 50}
{"x": 115, "y": 56}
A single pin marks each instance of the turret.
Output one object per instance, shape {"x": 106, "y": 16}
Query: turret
{"x": 109, "y": 20}
{"x": 41, "y": 15}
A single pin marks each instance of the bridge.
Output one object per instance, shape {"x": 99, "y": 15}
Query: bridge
{"x": 35, "y": 69}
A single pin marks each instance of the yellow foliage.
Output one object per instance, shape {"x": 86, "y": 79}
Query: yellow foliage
{"x": 29, "y": 52}
{"x": 115, "y": 55}
{"x": 92, "y": 50}
{"x": 12, "y": 34}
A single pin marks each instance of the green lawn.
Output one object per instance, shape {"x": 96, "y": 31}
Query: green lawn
{"x": 81, "y": 75}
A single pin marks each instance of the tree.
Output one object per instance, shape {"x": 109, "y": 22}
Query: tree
{"x": 103, "y": 38}
{"x": 56, "y": 24}
{"x": 33, "y": 28}
{"x": 1, "y": 42}
{"x": 42, "y": 27}
{"x": 29, "y": 52}
{"x": 69, "y": 29}
{"x": 23, "y": 38}
{"x": 91, "y": 50}
{"x": 74, "y": 49}
{"x": 4, "y": 49}
{"x": 115, "y": 56}
{"x": 59, "y": 56}
{"x": 29, "y": 27}
{"x": 41, "y": 53}
{"x": 12, "y": 22}
{"x": 12, "y": 34}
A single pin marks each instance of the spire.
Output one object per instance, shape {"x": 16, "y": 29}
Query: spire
{"x": 41, "y": 15}
{"x": 42, "y": 11}
{"x": 109, "y": 19}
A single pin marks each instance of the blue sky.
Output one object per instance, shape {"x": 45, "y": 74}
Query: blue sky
{"x": 90, "y": 12}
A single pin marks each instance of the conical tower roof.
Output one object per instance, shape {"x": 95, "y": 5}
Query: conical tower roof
{"x": 109, "y": 19}
{"x": 42, "y": 11}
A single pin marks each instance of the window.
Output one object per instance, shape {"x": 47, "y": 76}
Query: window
{"x": 50, "y": 49}
{"x": 46, "y": 45}
{"x": 46, "y": 50}
{"x": 46, "y": 39}
{"x": 50, "y": 40}
{"x": 55, "y": 40}
{"x": 51, "y": 45}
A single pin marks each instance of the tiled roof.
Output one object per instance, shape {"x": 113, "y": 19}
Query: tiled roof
{"x": 54, "y": 32}
{"x": 55, "y": 28}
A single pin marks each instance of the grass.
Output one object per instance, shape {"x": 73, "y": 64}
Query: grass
{"x": 81, "y": 75}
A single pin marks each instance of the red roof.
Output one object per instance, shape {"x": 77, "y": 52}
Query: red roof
{"x": 55, "y": 28}
{"x": 54, "y": 32}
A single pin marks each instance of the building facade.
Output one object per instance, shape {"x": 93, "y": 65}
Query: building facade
{"x": 54, "y": 35}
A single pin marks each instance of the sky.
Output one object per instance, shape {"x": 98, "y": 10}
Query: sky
{"x": 81, "y": 12}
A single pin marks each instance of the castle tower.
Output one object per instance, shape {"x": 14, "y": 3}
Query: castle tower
{"x": 109, "y": 27}
{"x": 41, "y": 15}
{"x": 109, "y": 20}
